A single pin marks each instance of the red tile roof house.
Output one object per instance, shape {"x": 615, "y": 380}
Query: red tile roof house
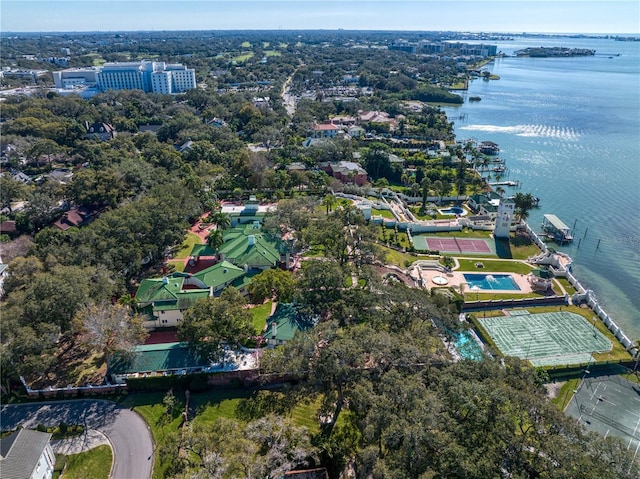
{"x": 326, "y": 130}
{"x": 347, "y": 172}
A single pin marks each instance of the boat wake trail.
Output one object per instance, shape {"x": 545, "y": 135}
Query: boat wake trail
{"x": 543, "y": 131}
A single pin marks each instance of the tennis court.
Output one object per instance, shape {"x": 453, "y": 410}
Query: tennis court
{"x": 453, "y": 245}
{"x": 546, "y": 339}
{"x": 609, "y": 405}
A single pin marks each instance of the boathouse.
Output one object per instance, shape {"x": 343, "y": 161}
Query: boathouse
{"x": 556, "y": 227}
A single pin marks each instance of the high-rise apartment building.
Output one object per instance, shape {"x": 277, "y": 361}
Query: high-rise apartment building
{"x": 150, "y": 77}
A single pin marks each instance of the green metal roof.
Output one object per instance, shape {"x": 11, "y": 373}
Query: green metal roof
{"x": 287, "y": 321}
{"x": 219, "y": 274}
{"x": 202, "y": 250}
{"x": 156, "y": 357}
{"x": 158, "y": 289}
{"x": 249, "y": 245}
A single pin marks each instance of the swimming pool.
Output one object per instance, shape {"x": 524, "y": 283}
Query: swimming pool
{"x": 467, "y": 346}
{"x": 454, "y": 210}
{"x": 490, "y": 282}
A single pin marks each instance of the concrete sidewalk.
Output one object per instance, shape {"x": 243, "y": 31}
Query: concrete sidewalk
{"x": 84, "y": 442}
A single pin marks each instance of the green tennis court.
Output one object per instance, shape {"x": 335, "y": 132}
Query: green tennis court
{"x": 546, "y": 339}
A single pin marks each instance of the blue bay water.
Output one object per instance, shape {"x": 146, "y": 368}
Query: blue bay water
{"x": 569, "y": 131}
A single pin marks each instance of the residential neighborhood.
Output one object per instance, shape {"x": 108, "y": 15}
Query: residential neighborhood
{"x": 267, "y": 254}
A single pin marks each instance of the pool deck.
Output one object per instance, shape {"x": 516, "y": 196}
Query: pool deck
{"x": 456, "y": 278}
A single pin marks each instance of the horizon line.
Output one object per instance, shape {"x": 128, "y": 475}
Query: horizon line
{"x": 519, "y": 32}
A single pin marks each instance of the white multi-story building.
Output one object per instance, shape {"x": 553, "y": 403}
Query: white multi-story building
{"x": 504, "y": 217}
{"x": 150, "y": 77}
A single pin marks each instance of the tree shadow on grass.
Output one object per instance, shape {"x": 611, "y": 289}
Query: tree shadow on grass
{"x": 264, "y": 402}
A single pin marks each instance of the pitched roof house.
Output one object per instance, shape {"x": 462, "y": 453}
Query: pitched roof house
{"x": 100, "y": 131}
{"x": 250, "y": 248}
{"x": 166, "y": 299}
{"x": 347, "y": 172}
{"x": 26, "y": 454}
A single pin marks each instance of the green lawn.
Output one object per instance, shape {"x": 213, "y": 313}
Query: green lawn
{"x": 178, "y": 265}
{"x": 396, "y": 257}
{"x": 191, "y": 240}
{"x": 242, "y": 58}
{"x": 245, "y": 45}
{"x": 384, "y": 213}
{"x": 566, "y": 285}
{"x": 388, "y": 235}
{"x": 208, "y": 406}
{"x": 566, "y": 393}
{"x": 494, "y": 266}
{"x": 272, "y": 53}
{"x": 260, "y": 315}
{"x": 94, "y": 464}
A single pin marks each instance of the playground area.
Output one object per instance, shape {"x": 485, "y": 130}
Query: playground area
{"x": 609, "y": 405}
{"x": 546, "y": 339}
{"x": 453, "y": 245}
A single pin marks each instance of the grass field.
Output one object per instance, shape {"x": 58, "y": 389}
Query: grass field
{"x": 94, "y": 464}
{"x": 178, "y": 265}
{"x": 191, "y": 240}
{"x": 398, "y": 258}
{"x": 260, "y": 315}
{"x": 243, "y": 57}
{"x": 384, "y": 213}
{"x": 492, "y": 266}
{"x": 210, "y": 405}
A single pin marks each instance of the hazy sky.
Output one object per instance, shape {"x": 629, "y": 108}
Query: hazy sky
{"x": 572, "y": 16}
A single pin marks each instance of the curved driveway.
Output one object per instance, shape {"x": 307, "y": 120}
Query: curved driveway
{"x": 127, "y": 432}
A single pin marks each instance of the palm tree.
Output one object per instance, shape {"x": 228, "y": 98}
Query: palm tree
{"x": 329, "y": 201}
{"x": 415, "y": 189}
{"x": 215, "y": 239}
{"x": 220, "y": 220}
{"x": 437, "y": 188}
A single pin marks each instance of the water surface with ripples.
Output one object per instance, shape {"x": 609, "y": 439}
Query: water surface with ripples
{"x": 569, "y": 131}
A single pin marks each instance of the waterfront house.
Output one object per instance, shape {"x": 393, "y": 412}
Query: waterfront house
{"x": 485, "y": 204}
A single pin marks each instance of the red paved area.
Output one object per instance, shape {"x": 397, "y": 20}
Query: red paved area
{"x": 161, "y": 337}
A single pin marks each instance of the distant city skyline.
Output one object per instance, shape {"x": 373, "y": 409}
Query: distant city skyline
{"x": 503, "y": 16}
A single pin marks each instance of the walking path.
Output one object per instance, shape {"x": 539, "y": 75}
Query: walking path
{"x": 82, "y": 443}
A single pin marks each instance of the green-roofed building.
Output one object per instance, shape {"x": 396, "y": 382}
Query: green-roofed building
{"x": 283, "y": 324}
{"x": 166, "y": 359}
{"x": 164, "y": 300}
{"x": 156, "y": 359}
{"x": 250, "y": 248}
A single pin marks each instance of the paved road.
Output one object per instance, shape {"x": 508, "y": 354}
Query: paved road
{"x": 127, "y": 432}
